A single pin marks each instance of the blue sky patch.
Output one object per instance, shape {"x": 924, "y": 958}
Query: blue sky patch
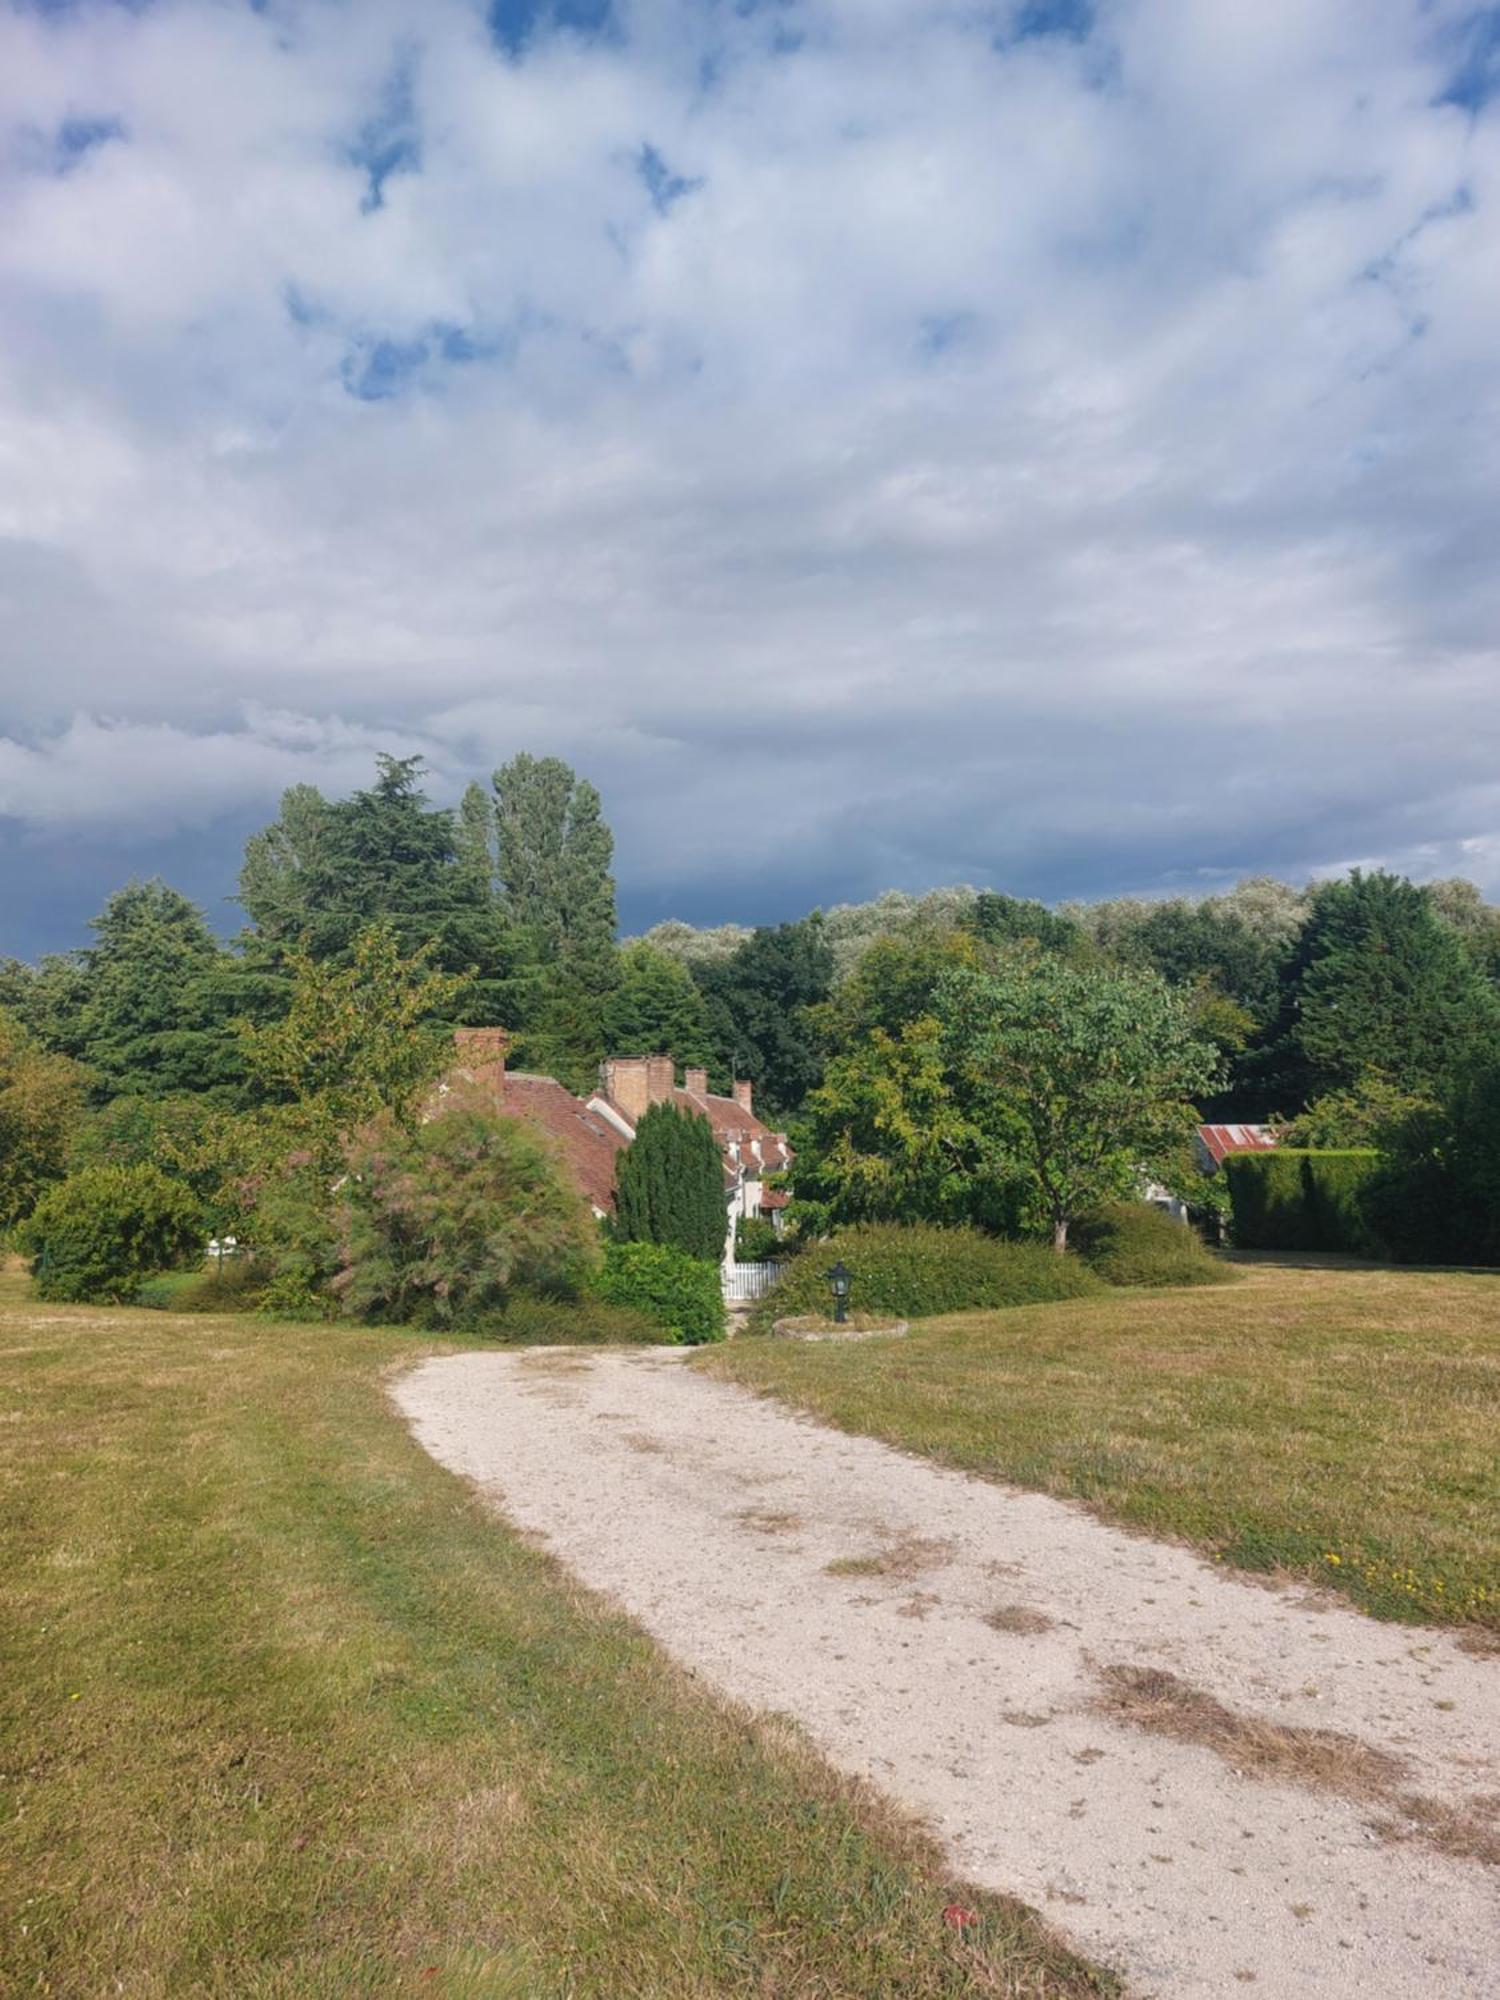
{"x": 390, "y": 141}
{"x": 1475, "y": 79}
{"x": 664, "y": 187}
{"x": 378, "y": 368}
{"x": 515, "y": 23}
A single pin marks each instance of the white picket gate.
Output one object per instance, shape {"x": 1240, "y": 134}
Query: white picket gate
{"x": 743, "y": 1282}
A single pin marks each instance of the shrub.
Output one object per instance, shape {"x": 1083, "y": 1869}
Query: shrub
{"x": 1133, "y": 1243}
{"x": 96, "y": 1235}
{"x": 235, "y": 1288}
{"x": 1300, "y": 1200}
{"x": 670, "y": 1184}
{"x": 1435, "y": 1197}
{"x": 535, "y": 1322}
{"x": 756, "y": 1241}
{"x": 682, "y": 1294}
{"x": 446, "y": 1223}
{"x": 915, "y": 1271}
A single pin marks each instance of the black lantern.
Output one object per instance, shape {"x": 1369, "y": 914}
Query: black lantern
{"x": 838, "y": 1278}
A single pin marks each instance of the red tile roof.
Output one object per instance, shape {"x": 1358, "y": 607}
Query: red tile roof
{"x": 588, "y": 1144}
{"x": 1218, "y": 1141}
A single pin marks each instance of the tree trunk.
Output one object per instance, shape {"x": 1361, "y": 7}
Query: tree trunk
{"x": 1060, "y": 1234}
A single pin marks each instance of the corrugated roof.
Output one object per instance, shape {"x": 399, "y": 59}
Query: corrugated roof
{"x": 1218, "y": 1141}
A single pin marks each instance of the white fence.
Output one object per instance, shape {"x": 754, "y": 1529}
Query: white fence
{"x": 750, "y": 1281}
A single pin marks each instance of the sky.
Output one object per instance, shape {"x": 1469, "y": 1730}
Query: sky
{"x": 1048, "y": 444}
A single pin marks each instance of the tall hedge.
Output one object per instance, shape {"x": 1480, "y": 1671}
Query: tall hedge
{"x": 1292, "y": 1199}
{"x": 669, "y": 1185}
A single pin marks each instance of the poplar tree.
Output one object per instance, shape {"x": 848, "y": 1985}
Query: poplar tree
{"x": 669, "y": 1185}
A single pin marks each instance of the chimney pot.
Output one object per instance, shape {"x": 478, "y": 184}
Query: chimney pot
{"x": 661, "y": 1079}
{"x": 625, "y": 1085}
{"x": 743, "y": 1094}
{"x": 696, "y": 1080}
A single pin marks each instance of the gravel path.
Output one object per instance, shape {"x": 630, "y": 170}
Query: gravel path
{"x": 713, "y": 1517}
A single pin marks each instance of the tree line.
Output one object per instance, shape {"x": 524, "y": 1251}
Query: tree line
{"x": 964, "y": 1056}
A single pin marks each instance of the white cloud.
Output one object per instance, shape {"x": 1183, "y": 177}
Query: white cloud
{"x": 1063, "y": 462}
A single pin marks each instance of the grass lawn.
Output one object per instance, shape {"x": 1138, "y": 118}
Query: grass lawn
{"x": 286, "y": 1713}
{"x": 1343, "y": 1425}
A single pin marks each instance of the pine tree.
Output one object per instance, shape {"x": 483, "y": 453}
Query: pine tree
{"x": 152, "y": 1018}
{"x": 1379, "y": 982}
{"x": 670, "y": 1184}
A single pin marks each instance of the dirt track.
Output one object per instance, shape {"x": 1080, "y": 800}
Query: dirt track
{"x": 841, "y": 1582}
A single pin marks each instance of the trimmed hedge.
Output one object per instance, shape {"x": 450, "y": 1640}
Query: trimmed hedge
{"x": 1300, "y": 1200}
{"x": 683, "y": 1295}
{"x": 916, "y": 1271}
{"x": 1132, "y": 1243}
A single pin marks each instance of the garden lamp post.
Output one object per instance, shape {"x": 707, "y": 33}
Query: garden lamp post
{"x": 838, "y": 1278}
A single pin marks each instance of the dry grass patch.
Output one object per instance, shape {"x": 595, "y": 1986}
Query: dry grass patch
{"x": 1020, "y": 1619}
{"x": 300, "y": 1718}
{"x": 769, "y": 1520}
{"x": 1325, "y": 1760}
{"x": 900, "y": 1558}
{"x": 1334, "y": 1425}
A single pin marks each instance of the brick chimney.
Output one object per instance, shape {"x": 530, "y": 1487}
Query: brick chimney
{"x": 626, "y": 1084}
{"x": 696, "y": 1082}
{"x": 481, "y": 1051}
{"x": 661, "y": 1079}
{"x": 743, "y": 1092}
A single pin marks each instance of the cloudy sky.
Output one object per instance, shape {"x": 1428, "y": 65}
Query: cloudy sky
{"x": 882, "y": 442}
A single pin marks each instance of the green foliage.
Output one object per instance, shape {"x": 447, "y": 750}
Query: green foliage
{"x": 885, "y": 1138}
{"x": 1005, "y": 920}
{"x": 656, "y": 1009}
{"x": 236, "y": 1286}
{"x": 1435, "y": 1198}
{"x": 324, "y": 871}
{"x": 47, "y": 999}
{"x": 588, "y": 1321}
{"x": 358, "y": 1039}
{"x": 756, "y": 1241}
{"x": 41, "y": 1107}
{"x": 1078, "y": 1075}
{"x": 682, "y": 1294}
{"x": 1300, "y": 1200}
{"x": 761, "y": 1002}
{"x": 154, "y": 1016}
{"x": 94, "y": 1236}
{"x": 669, "y": 1184}
{"x": 1379, "y": 977}
{"x": 1133, "y": 1243}
{"x": 445, "y": 1224}
{"x": 554, "y": 854}
{"x": 1360, "y": 1116}
{"x": 917, "y": 1272}
{"x": 895, "y": 982}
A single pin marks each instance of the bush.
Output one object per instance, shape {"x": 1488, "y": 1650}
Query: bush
{"x": 569, "y": 1323}
{"x": 917, "y": 1270}
{"x": 682, "y": 1294}
{"x": 1133, "y": 1243}
{"x": 1435, "y": 1197}
{"x": 756, "y": 1241}
{"x": 236, "y": 1288}
{"x": 1301, "y": 1200}
{"x": 96, "y": 1235}
{"x": 445, "y": 1224}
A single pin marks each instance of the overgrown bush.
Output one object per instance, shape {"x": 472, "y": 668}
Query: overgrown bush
{"x": 682, "y": 1294}
{"x": 446, "y": 1224}
{"x": 1435, "y": 1196}
{"x": 915, "y": 1271}
{"x": 572, "y": 1322}
{"x": 235, "y": 1287}
{"x": 1301, "y": 1200}
{"x": 96, "y": 1235}
{"x": 756, "y": 1241}
{"x": 1132, "y": 1243}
